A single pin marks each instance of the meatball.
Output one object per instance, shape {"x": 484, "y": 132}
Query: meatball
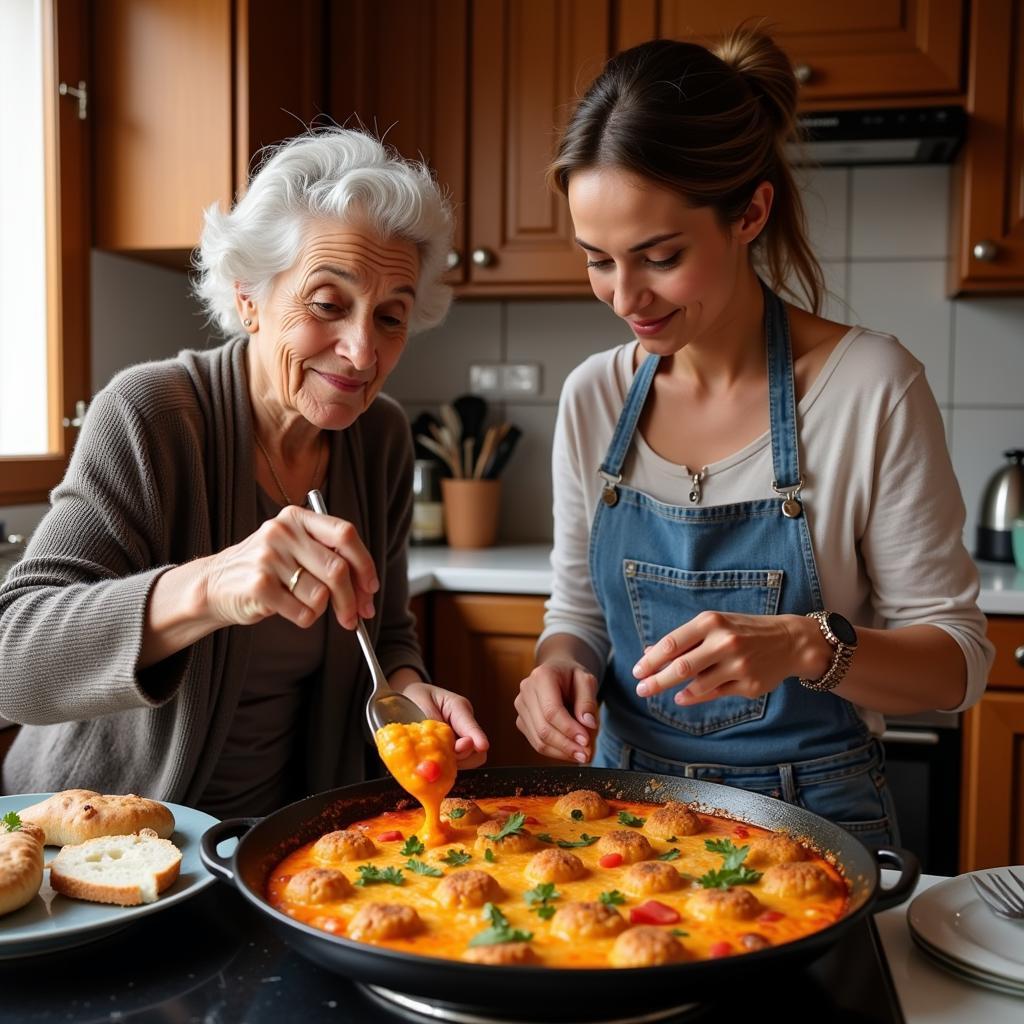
{"x": 673, "y": 819}
{"x": 318, "y": 885}
{"x": 591, "y": 805}
{"x": 775, "y": 848}
{"x": 737, "y": 904}
{"x": 649, "y": 876}
{"x": 468, "y": 888}
{"x": 504, "y": 953}
{"x": 554, "y": 865}
{"x": 797, "y": 879}
{"x": 474, "y": 814}
{"x": 587, "y": 920}
{"x": 646, "y": 946}
{"x": 518, "y": 842}
{"x": 348, "y": 844}
{"x": 384, "y": 921}
{"x": 632, "y": 846}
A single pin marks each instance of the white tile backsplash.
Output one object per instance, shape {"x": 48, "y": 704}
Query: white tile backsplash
{"x": 988, "y": 367}
{"x": 526, "y": 481}
{"x": 900, "y": 212}
{"x": 826, "y": 191}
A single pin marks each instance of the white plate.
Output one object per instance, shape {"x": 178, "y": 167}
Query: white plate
{"x": 52, "y": 921}
{"x": 951, "y": 919}
{"x": 965, "y": 973}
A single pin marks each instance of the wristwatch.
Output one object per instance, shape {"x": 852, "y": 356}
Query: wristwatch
{"x": 842, "y": 637}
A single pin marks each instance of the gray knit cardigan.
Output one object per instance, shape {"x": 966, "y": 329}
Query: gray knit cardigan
{"x": 163, "y": 473}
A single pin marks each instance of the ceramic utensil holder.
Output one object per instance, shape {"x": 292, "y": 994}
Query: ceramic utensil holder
{"x": 471, "y": 512}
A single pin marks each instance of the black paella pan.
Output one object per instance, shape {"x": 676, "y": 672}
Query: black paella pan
{"x": 564, "y": 993}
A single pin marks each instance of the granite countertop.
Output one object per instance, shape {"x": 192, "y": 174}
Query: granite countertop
{"x": 526, "y": 569}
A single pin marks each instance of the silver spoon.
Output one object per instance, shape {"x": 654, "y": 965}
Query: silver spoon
{"x": 384, "y": 705}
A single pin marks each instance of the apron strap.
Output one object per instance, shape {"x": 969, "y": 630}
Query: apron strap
{"x": 781, "y": 394}
{"x": 615, "y": 457}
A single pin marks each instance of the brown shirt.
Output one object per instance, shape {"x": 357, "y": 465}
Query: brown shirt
{"x": 163, "y": 472}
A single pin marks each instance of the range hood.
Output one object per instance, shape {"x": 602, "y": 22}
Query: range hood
{"x": 893, "y": 135}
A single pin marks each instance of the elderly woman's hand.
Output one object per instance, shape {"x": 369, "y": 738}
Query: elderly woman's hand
{"x": 293, "y": 566}
{"x": 471, "y": 742}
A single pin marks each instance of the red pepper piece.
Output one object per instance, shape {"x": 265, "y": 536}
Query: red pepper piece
{"x": 531, "y": 820}
{"x": 653, "y": 912}
{"x": 719, "y": 949}
{"x": 428, "y": 770}
{"x": 610, "y": 860}
{"x": 770, "y": 915}
{"x": 390, "y": 837}
{"x": 740, "y": 832}
{"x": 508, "y": 807}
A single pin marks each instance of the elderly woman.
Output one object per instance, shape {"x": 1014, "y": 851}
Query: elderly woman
{"x": 181, "y": 625}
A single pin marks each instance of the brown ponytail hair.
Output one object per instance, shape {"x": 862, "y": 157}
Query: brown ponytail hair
{"x": 710, "y": 125}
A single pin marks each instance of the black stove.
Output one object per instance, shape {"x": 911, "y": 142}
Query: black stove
{"x": 215, "y": 960}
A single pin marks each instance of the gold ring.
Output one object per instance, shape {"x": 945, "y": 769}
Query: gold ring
{"x": 293, "y": 580}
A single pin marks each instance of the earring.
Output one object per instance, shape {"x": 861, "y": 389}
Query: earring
{"x": 248, "y": 323}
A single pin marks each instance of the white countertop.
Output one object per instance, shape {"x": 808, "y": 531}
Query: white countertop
{"x": 927, "y": 993}
{"x": 526, "y": 569}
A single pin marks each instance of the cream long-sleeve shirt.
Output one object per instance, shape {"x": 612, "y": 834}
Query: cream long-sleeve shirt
{"x": 883, "y": 504}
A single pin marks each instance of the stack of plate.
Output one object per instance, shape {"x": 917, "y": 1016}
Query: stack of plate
{"x": 957, "y": 931}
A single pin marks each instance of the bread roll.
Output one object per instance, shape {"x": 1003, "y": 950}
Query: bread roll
{"x": 21, "y": 866}
{"x": 77, "y": 815}
{"x": 127, "y": 870}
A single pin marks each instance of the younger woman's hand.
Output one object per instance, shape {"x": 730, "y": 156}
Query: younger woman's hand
{"x": 471, "y": 742}
{"x": 557, "y": 707}
{"x": 722, "y": 654}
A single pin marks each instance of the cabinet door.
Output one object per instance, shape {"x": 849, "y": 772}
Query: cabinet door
{"x": 1007, "y": 634}
{"x": 400, "y": 69}
{"x": 531, "y": 59}
{"x": 868, "y": 51}
{"x": 483, "y": 648}
{"x": 992, "y": 830}
{"x": 988, "y": 189}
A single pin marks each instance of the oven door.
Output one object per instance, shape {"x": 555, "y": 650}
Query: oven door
{"x": 922, "y": 766}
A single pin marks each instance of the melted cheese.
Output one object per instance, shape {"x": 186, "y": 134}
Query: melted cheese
{"x": 447, "y": 932}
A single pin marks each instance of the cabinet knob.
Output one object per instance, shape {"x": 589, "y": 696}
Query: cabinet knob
{"x": 79, "y": 417}
{"x": 985, "y": 250}
{"x": 803, "y": 73}
{"x": 483, "y": 258}
{"x": 1019, "y": 655}
{"x": 454, "y": 258}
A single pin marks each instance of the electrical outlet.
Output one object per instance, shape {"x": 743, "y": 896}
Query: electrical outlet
{"x": 485, "y": 378}
{"x": 520, "y": 379}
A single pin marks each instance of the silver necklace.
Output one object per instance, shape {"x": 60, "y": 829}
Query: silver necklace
{"x": 277, "y": 479}
{"x": 696, "y": 479}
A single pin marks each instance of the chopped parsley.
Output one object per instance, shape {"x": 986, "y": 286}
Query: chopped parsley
{"x": 612, "y": 899}
{"x": 499, "y": 931}
{"x": 489, "y": 855}
{"x": 513, "y": 826}
{"x": 545, "y": 837}
{"x": 576, "y": 814}
{"x": 625, "y": 818}
{"x": 672, "y": 854}
{"x": 731, "y": 872}
{"x": 584, "y": 840}
{"x": 456, "y": 812}
{"x": 370, "y": 875}
{"x": 12, "y": 821}
{"x": 679, "y": 933}
{"x": 422, "y": 868}
{"x": 413, "y": 847}
{"x": 539, "y": 899}
{"x": 456, "y": 858}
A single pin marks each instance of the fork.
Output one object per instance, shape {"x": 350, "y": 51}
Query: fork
{"x": 997, "y": 894}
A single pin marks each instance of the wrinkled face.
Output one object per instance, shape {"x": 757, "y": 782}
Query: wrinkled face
{"x": 333, "y": 325}
{"x": 667, "y": 268}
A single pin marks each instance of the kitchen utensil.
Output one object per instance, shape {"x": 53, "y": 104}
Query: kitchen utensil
{"x": 472, "y": 413}
{"x": 1001, "y": 504}
{"x": 422, "y": 425}
{"x": 486, "y": 451}
{"x": 502, "y": 452}
{"x": 999, "y": 896}
{"x": 384, "y": 705}
{"x": 554, "y": 994}
{"x": 442, "y": 453}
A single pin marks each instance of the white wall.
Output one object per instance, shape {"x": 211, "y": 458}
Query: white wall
{"x": 881, "y": 234}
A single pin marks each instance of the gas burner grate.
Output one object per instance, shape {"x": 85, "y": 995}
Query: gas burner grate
{"x": 457, "y": 1013}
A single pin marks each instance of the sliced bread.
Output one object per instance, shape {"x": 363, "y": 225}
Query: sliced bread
{"x": 21, "y": 866}
{"x": 127, "y": 870}
{"x": 75, "y": 815}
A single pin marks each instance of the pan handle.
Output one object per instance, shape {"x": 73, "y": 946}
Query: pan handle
{"x": 909, "y": 868}
{"x": 213, "y": 837}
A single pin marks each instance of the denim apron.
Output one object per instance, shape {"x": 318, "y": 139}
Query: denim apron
{"x": 655, "y": 566}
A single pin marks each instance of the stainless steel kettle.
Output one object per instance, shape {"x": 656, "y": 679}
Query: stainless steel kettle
{"x": 1002, "y": 502}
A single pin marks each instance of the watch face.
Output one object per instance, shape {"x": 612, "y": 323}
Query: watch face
{"x": 842, "y": 629}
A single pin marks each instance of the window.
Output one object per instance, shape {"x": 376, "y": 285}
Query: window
{"x": 44, "y": 242}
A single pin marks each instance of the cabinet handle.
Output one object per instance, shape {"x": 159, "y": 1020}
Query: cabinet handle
{"x": 77, "y": 419}
{"x": 483, "y": 258}
{"x": 803, "y": 73}
{"x": 985, "y": 250}
{"x": 1019, "y": 655}
{"x": 454, "y": 258}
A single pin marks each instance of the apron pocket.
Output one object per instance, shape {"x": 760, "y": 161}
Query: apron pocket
{"x": 859, "y": 802}
{"x": 663, "y": 598}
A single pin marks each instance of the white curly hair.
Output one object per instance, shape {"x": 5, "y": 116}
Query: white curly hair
{"x": 338, "y": 173}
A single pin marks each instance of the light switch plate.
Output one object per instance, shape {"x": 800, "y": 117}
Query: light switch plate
{"x": 520, "y": 379}
{"x": 485, "y": 378}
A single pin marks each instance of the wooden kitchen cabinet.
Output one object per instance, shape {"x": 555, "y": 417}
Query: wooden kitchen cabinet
{"x": 987, "y": 243}
{"x": 992, "y": 812}
{"x": 875, "y": 52}
{"x": 482, "y": 648}
{"x": 185, "y": 93}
